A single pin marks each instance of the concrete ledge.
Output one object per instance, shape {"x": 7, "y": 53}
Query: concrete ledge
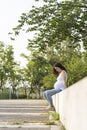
{"x": 71, "y": 104}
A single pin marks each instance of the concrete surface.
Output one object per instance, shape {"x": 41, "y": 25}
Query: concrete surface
{"x": 25, "y": 115}
{"x": 71, "y": 104}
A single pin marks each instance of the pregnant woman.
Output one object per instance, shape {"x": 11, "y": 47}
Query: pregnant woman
{"x": 59, "y": 85}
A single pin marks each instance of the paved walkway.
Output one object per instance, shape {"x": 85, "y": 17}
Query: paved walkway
{"x": 25, "y": 115}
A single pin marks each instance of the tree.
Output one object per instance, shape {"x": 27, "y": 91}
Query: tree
{"x": 60, "y": 32}
{"x": 34, "y": 73}
{"x": 8, "y": 67}
{"x": 54, "y": 22}
{"x": 2, "y": 65}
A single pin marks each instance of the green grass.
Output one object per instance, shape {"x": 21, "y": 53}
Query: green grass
{"x": 50, "y": 123}
{"x": 63, "y": 128}
{"x": 56, "y": 116}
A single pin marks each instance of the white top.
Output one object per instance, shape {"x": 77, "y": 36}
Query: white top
{"x": 59, "y": 84}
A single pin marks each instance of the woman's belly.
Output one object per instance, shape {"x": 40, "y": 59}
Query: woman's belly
{"x": 59, "y": 85}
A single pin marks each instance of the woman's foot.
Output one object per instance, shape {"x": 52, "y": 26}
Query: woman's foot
{"x": 51, "y": 108}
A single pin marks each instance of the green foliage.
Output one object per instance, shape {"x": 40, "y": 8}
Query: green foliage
{"x": 22, "y": 96}
{"x": 56, "y": 116}
{"x": 60, "y": 36}
{"x": 63, "y": 127}
{"x": 77, "y": 69}
{"x": 48, "y": 81}
{"x": 54, "y": 22}
{"x": 5, "y": 94}
{"x": 8, "y": 67}
{"x": 50, "y": 123}
{"x": 6, "y": 62}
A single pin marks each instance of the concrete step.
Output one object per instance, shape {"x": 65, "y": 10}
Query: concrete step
{"x": 25, "y": 115}
{"x": 29, "y": 127}
{"x": 23, "y": 111}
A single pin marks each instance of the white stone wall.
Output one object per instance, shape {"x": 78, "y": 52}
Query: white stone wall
{"x": 71, "y": 104}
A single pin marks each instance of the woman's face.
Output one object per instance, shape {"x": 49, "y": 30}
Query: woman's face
{"x": 57, "y": 69}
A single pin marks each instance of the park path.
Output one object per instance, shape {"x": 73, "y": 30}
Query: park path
{"x": 25, "y": 115}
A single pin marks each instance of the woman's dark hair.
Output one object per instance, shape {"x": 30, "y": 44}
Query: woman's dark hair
{"x": 58, "y": 65}
{"x": 55, "y": 72}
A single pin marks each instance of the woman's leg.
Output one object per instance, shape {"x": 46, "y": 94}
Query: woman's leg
{"x": 48, "y": 95}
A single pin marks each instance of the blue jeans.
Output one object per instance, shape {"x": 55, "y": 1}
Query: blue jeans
{"x": 48, "y": 95}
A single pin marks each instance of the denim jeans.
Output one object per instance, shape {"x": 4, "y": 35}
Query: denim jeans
{"x": 48, "y": 95}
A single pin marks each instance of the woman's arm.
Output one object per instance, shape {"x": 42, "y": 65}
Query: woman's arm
{"x": 64, "y": 78}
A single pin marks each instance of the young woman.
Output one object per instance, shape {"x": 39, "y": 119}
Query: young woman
{"x": 59, "y": 85}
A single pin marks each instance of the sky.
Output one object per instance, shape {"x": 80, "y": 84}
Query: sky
{"x": 10, "y": 11}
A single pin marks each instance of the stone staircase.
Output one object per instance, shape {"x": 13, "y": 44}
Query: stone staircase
{"x": 25, "y": 115}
